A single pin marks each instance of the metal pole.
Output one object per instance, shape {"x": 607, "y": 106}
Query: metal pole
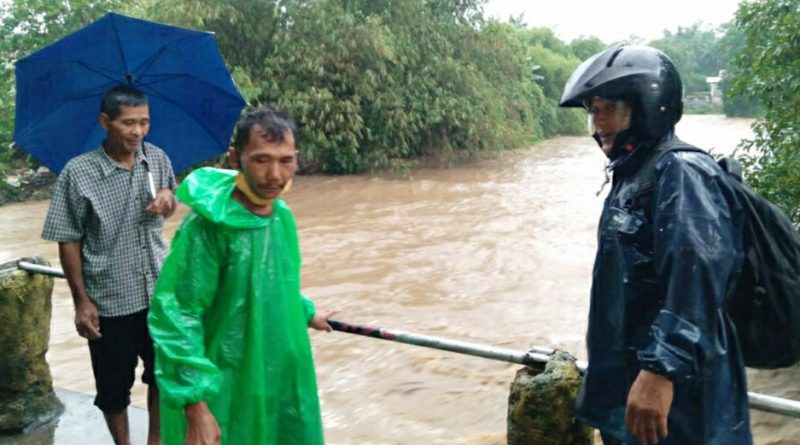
{"x": 536, "y": 355}
{"x": 777, "y": 405}
{"x": 44, "y": 270}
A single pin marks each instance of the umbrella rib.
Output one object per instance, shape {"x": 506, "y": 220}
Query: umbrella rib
{"x": 93, "y": 68}
{"x": 121, "y": 52}
{"x": 52, "y": 111}
{"x": 199, "y": 124}
{"x": 145, "y": 66}
{"x": 163, "y": 77}
{"x": 98, "y": 70}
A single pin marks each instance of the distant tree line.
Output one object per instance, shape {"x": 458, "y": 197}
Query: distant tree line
{"x": 378, "y": 84}
{"x": 373, "y": 84}
{"x": 700, "y": 52}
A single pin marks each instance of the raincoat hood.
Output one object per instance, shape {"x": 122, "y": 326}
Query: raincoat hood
{"x": 208, "y": 192}
{"x": 229, "y": 323}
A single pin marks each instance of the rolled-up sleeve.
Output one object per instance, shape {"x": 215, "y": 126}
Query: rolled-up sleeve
{"x": 308, "y": 308}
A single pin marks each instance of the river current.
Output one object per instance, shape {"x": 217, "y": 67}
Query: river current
{"x": 497, "y": 252}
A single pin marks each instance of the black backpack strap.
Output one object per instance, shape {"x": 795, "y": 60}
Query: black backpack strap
{"x": 643, "y": 196}
{"x": 732, "y": 167}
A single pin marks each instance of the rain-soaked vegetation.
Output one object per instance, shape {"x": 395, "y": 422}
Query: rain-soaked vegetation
{"x": 377, "y": 84}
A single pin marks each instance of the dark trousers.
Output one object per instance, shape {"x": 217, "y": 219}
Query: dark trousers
{"x": 115, "y": 355}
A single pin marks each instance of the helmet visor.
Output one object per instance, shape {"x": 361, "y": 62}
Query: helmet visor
{"x": 607, "y": 116}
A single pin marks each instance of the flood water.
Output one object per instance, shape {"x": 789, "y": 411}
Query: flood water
{"x": 497, "y": 252}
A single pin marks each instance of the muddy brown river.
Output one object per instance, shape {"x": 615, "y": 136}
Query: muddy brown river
{"x": 497, "y": 252}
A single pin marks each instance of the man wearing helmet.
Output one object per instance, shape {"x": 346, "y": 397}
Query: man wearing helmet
{"x": 664, "y": 362}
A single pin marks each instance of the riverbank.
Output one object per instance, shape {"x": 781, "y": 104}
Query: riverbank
{"x": 27, "y": 185}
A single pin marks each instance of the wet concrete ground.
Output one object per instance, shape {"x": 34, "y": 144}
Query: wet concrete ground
{"x": 81, "y": 423}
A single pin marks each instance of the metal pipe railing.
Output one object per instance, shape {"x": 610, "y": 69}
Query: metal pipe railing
{"x": 38, "y": 268}
{"x": 777, "y": 405}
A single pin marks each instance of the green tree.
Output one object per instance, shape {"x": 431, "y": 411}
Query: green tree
{"x": 693, "y": 49}
{"x": 372, "y": 83}
{"x": 376, "y": 83}
{"x": 585, "y": 47}
{"x": 728, "y": 48}
{"x": 555, "y": 62}
{"x": 770, "y": 70}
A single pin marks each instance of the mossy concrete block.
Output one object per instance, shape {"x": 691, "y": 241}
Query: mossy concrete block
{"x": 26, "y": 385}
{"x": 541, "y": 405}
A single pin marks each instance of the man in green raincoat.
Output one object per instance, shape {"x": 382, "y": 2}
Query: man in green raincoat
{"x": 233, "y": 357}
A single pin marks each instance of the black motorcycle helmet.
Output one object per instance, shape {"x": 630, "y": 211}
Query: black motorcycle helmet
{"x": 643, "y": 77}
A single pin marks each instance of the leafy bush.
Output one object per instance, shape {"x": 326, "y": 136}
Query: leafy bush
{"x": 769, "y": 70}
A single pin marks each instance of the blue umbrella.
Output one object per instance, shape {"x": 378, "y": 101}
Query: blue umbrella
{"x": 193, "y": 101}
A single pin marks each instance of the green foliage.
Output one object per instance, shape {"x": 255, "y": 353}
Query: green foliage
{"x": 770, "y": 70}
{"x": 375, "y": 84}
{"x": 693, "y": 49}
{"x": 739, "y": 105}
{"x": 700, "y": 52}
{"x": 728, "y": 48}
{"x": 554, "y": 62}
{"x": 585, "y": 47}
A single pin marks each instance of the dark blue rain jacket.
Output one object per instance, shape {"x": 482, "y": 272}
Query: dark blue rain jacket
{"x": 659, "y": 280}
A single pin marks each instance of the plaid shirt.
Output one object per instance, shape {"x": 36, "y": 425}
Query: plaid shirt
{"x": 100, "y": 204}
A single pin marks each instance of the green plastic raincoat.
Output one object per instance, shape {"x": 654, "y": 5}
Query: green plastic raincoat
{"x": 229, "y": 323}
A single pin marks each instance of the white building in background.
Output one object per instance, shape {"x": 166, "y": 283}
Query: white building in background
{"x": 713, "y": 84}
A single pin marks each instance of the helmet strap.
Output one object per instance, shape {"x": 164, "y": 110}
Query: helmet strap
{"x": 624, "y": 143}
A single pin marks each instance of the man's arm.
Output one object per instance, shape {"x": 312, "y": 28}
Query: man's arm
{"x": 87, "y": 321}
{"x": 319, "y": 320}
{"x": 201, "y": 425}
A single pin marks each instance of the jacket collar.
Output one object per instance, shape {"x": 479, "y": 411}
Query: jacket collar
{"x": 626, "y": 163}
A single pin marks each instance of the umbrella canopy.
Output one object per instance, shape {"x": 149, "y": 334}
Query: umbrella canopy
{"x": 193, "y": 101}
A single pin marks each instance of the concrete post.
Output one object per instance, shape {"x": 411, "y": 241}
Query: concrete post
{"x": 27, "y": 399}
{"x": 542, "y": 402}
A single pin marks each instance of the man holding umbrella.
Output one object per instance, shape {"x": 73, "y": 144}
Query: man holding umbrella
{"x": 107, "y": 215}
{"x": 110, "y": 202}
